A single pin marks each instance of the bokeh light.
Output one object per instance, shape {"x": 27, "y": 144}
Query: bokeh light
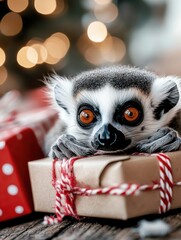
{"x": 102, "y": 2}
{"x": 111, "y": 50}
{"x": 57, "y": 46}
{"x": 3, "y": 74}
{"x": 61, "y": 7}
{"x": 17, "y": 5}
{"x": 107, "y": 13}
{"x": 27, "y": 57}
{"x": 40, "y": 49}
{"x": 97, "y": 31}
{"x": 45, "y": 7}
{"x": 41, "y": 52}
{"x": 2, "y": 57}
{"x": 93, "y": 56}
{"x": 11, "y": 24}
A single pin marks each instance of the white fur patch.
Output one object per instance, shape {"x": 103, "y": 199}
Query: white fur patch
{"x": 160, "y": 91}
{"x": 62, "y": 94}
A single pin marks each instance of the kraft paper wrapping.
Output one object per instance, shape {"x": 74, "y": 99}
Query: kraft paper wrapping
{"x": 103, "y": 171}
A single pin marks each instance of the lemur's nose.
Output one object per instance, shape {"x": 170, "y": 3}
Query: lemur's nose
{"x": 107, "y": 135}
{"x": 109, "y": 138}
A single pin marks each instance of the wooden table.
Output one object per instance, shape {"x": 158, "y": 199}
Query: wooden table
{"x": 31, "y": 227}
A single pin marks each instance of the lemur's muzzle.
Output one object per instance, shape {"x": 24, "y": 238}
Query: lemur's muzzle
{"x": 108, "y": 138}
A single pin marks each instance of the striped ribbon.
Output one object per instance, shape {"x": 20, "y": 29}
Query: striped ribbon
{"x": 66, "y": 188}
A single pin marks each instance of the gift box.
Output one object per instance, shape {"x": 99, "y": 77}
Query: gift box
{"x": 22, "y": 135}
{"x": 15, "y": 192}
{"x": 108, "y": 186}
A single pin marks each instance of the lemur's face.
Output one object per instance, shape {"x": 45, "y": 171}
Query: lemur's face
{"x": 110, "y": 118}
{"x": 114, "y": 108}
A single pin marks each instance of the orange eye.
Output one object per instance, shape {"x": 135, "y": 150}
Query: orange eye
{"x": 131, "y": 114}
{"x": 86, "y": 116}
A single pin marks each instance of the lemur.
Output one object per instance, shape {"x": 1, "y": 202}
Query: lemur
{"x": 115, "y": 109}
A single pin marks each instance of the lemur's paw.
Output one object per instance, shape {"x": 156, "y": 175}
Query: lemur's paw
{"x": 67, "y": 146}
{"x": 164, "y": 140}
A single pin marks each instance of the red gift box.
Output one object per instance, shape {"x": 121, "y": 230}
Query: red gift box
{"x": 21, "y": 140}
{"x": 15, "y": 193}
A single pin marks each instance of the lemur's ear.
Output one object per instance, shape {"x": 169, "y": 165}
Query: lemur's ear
{"x": 61, "y": 92}
{"x": 165, "y": 94}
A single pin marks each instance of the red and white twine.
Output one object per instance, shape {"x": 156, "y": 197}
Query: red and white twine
{"x": 66, "y": 189}
{"x": 166, "y": 182}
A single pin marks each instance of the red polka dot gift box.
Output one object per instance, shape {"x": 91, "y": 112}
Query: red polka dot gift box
{"x": 15, "y": 192}
{"x": 22, "y": 134}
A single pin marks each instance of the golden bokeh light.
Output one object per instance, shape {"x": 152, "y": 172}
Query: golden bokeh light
{"x": 62, "y": 37}
{"x": 92, "y": 55}
{"x": 102, "y": 2}
{"x": 11, "y": 24}
{"x": 32, "y": 55}
{"x": 97, "y": 31}
{"x": 57, "y": 46}
{"x": 27, "y": 57}
{"x": 3, "y": 74}
{"x": 111, "y": 50}
{"x": 60, "y": 7}
{"x": 2, "y": 57}
{"x": 41, "y": 52}
{"x": 17, "y": 5}
{"x": 34, "y": 41}
{"x": 40, "y": 49}
{"x": 107, "y": 13}
{"x": 45, "y": 7}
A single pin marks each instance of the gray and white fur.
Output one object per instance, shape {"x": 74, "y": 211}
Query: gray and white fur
{"x": 110, "y": 95}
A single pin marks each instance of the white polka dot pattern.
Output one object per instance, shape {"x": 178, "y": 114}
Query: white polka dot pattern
{"x": 1, "y": 212}
{"x": 12, "y": 190}
{"x": 7, "y": 169}
{"x": 19, "y": 209}
{"x": 2, "y": 144}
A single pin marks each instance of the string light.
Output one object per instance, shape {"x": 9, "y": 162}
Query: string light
{"x": 27, "y": 57}
{"x": 17, "y": 5}
{"x": 3, "y": 74}
{"x": 2, "y": 57}
{"x": 11, "y": 24}
{"x": 45, "y": 7}
{"x": 97, "y": 31}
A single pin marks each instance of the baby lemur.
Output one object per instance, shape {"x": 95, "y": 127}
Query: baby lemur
{"x": 115, "y": 109}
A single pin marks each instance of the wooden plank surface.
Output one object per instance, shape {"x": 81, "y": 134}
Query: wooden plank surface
{"x": 31, "y": 227}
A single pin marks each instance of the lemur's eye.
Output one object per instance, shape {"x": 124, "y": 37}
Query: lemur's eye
{"x": 86, "y": 116}
{"x": 131, "y": 114}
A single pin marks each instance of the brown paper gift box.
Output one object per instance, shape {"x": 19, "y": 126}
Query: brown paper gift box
{"x": 105, "y": 171}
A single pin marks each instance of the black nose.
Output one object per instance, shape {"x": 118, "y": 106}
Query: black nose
{"x": 107, "y": 135}
{"x": 108, "y": 138}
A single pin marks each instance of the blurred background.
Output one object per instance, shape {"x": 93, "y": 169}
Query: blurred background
{"x": 39, "y": 36}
